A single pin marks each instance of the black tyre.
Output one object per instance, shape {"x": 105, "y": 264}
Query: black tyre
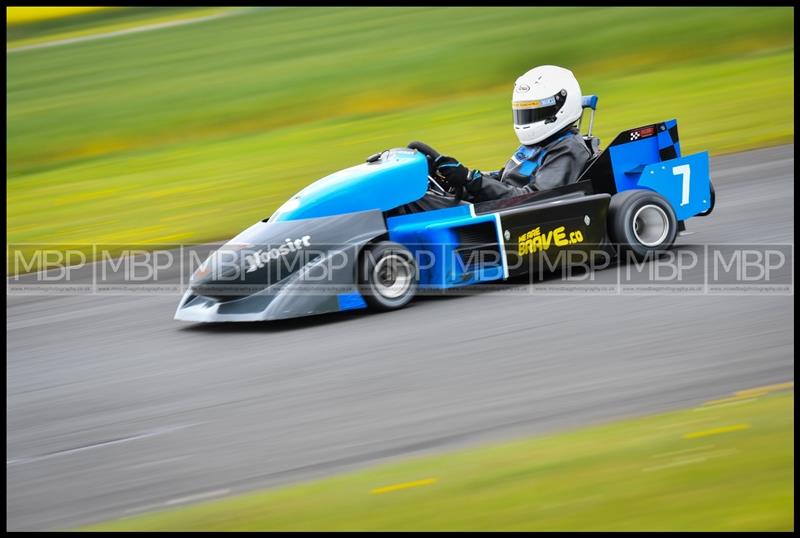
{"x": 713, "y": 201}
{"x": 387, "y": 275}
{"x": 641, "y": 222}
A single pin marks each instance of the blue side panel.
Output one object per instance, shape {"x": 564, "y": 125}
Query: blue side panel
{"x": 684, "y": 182}
{"x": 351, "y": 301}
{"x": 428, "y": 216}
{"x": 433, "y": 238}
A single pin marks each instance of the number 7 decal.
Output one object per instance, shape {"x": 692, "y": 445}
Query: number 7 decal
{"x": 685, "y": 171}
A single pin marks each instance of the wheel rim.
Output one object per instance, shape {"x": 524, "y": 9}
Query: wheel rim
{"x": 392, "y": 276}
{"x": 650, "y": 225}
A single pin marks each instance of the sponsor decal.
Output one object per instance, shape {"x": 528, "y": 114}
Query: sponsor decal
{"x": 525, "y": 104}
{"x": 535, "y": 241}
{"x": 533, "y": 104}
{"x": 524, "y": 88}
{"x": 641, "y": 133}
{"x": 259, "y": 258}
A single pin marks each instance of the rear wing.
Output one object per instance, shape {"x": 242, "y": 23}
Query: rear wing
{"x": 649, "y": 157}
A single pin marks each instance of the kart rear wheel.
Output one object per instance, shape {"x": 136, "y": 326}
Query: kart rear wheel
{"x": 387, "y": 275}
{"x": 712, "y": 202}
{"x": 641, "y": 222}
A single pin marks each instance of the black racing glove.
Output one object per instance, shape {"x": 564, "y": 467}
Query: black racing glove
{"x": 456, "y": 174}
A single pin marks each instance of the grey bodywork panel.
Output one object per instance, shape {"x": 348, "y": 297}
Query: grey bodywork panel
{"x": 281, "y": 269}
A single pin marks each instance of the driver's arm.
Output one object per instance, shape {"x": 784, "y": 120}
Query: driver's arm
{"x": 456, "y": 175}
{"x": 491, "y": 188}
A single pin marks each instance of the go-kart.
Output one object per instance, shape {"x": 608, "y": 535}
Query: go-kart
{"x": 362, "y": 237}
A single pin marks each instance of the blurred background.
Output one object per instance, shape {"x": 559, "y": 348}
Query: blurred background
{"x": 179, "y": 125}
{"x": 163, "y": 125}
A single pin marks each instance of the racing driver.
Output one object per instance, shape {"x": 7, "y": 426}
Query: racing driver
{"x": 546, "y": 103}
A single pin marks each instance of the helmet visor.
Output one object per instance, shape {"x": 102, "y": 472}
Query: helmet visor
{"x": 526, "y": 112}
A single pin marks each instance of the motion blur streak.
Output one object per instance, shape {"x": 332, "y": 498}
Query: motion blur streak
{"x": 405, "y": 485}
{"x": 716, "y": 431}
{"x": 28, "y": 14}
{"x": 138, "y": 29}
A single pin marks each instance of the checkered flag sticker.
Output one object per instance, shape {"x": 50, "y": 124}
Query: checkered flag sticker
{"x": 643, "y": 132}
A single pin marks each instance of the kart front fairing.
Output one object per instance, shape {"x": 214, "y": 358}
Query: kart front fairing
{"x": 397, "y": 177}
{"x": 302, "y": 260}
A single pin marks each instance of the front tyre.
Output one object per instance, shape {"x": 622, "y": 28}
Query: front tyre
{"x": 387, "y": 275}
{"x": 641, "y": 222}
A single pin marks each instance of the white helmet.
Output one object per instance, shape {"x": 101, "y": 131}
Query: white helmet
{"x": 546, "y": 99}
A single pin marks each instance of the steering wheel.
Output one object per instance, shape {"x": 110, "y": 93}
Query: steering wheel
{"x": 431, "y": 155}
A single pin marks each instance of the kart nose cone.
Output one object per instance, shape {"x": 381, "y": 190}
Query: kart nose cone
{"x": 219, "y": 274}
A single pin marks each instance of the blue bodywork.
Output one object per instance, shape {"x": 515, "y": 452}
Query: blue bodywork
{"x": 350, "y": 301}
{"x": 399, "y": 177}
{"x": 436, "y": 232}
{"x": 682, "y": 181}
{"x": 654, "y": 162}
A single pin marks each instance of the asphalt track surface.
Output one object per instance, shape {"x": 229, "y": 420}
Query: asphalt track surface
{"x": 113, "y": 408}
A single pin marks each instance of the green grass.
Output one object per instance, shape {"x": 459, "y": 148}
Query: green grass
{"x": 192, "y": 133}
{"x": 637, "y": 474}
{"x": 108, "y": 19}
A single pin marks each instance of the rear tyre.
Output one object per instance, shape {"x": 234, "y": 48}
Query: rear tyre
{"x": 713, "y": 201}
{"x": 387, "y": 275}
{"x": 641, "y": 222}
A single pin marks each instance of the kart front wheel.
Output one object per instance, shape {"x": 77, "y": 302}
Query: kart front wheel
{"x": 641, "y": 222}
{"x": 387, "y": 275}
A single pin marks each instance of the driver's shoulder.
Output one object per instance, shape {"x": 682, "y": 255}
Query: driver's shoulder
{"x": 571, "y": 142}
